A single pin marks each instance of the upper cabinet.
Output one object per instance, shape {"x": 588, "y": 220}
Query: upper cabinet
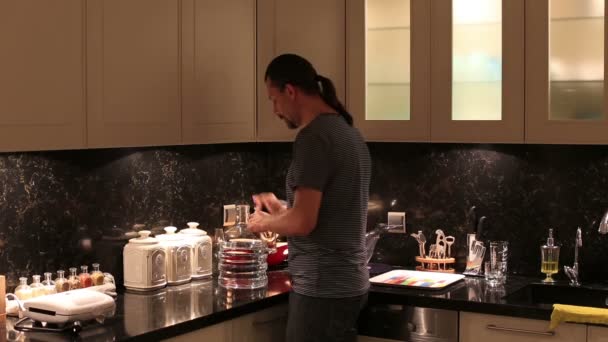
{"x": 218, "y": 75}
{"x": 565, "y": 73}
{"x": 388, "y": 59}
{"x": 477, "y": 71}
{"x": 133, "y": 73}
{"x": 313, "y": 29}
{"x": 42, "y": 76}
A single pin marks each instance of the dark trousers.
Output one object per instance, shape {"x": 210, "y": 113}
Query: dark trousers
{"x": 312, "y": 319}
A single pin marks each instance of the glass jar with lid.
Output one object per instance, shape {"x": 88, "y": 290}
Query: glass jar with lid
{"x": 73, "y": 279}
{"x": 201, "y": 248}
{"x": 85, "y": 277}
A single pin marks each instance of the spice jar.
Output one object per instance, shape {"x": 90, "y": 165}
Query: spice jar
{"x": 85, "y": 277}
{"x": 23, "y": 291}
{"x": 73, "y": 280}
{"x": 97, "y": 276}
{"x": 48, "y": 284}
{"x": 36, "y": 286}
{"x": 61, "y": 284}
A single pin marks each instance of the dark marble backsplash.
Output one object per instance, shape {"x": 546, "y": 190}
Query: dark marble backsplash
{"x": 68, "y": 208}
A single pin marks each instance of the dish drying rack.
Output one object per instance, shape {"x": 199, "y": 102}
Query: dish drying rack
{"x": 439, "y": 257}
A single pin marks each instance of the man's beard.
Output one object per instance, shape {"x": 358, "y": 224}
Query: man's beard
{"x": 289, "y": 123}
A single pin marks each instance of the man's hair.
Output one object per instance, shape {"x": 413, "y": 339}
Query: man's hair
{"x": 297, "y": 71}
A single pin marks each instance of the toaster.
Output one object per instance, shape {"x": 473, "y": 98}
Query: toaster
{"x": 70, "y": 306}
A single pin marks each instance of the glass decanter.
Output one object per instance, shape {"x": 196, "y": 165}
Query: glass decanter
{"x": 23, "y": 291}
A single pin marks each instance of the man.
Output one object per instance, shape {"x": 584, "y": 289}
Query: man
{"x": 327, "y": 192}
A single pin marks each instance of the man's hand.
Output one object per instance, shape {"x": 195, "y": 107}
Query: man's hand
{"x": 268, "y": 201}
{"x": 258, "y": 221}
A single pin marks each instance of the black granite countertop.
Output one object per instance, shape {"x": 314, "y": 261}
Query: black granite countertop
{"x": 180, "y": 309}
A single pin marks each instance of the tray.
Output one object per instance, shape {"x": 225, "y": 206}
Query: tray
{"x": 416, "y": 279}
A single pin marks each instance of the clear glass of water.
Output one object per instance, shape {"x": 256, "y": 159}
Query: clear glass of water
{"x": 494, "y": 272}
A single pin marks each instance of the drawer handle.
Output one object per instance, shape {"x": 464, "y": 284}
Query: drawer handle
{"x": 523, "y": 331}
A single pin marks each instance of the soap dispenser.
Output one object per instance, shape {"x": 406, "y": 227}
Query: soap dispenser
{"x": 549, "y": 258}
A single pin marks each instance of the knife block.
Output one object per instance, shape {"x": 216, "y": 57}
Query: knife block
{"x": 445, "y": 265}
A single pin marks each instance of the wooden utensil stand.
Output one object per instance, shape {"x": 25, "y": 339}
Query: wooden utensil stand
{"x": 445, "y": 265}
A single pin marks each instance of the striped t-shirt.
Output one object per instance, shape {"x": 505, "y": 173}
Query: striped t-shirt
{"x": 332, "y": 157}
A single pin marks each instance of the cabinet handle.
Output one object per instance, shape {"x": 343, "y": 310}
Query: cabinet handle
{"x": 523, "y": 331}
{"x": 276, "y": 319}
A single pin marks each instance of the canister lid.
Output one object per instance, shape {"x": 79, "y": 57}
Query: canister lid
{"x": 170, "y": 235}
{"x": 193, "y": 230}
{"x": 144, "y": 238}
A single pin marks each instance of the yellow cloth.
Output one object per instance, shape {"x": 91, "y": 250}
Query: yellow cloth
{"x": 577, "y": 314}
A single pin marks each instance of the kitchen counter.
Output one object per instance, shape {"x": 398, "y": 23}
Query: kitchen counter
{"x": 172, "y": 311}
{"x": 180, "y": 309}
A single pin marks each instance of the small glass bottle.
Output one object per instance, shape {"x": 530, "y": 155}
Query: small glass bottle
{"x": 36, "y": 286}
{"x": 85, "y": 277}
{"x": 73, "y": 280}
{"x": 23, "y": 291}
{"x": 61, "y": 284}
{"x": 49, "y": 284}
{"x": 97, "y": 276}
{"x": 549, "y": 258}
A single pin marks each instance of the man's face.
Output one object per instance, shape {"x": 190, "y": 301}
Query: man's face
{"x": 283, "y": 104}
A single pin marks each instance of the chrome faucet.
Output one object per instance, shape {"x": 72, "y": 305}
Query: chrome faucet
{"x": 603, "y": 229}
{"x": 572, "y": 272}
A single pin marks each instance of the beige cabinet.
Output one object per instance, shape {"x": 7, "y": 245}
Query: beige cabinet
{"x": 477, "y": 71}
{"x": 481, "y": 327}
{"x": 314, "y": 29}
{"x": 388, "y": 64}
{"x": 42, "y": 76}
{"x": 566, "y": 94}
{"x": 597, "y": 334}
{"x": 133, "y": 73}
{"x": 263, "y": 326}
{"x": 220, "y": 332}
{"x": 218, "y": 75}
{"x": 362, "y": 338}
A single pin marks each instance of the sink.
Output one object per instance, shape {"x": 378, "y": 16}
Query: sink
{"x": 561, "y": 294}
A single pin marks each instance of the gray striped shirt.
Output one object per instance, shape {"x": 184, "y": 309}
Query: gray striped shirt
{"x": 332, "y": 157}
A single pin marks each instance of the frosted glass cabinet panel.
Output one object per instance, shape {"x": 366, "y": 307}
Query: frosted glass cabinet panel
{"x": 565, "y": 91}
{"x": 477, "y": 60}
{"x": 388, "y": 63}
{"x": 387, "y": 51}
{"x": 576, "y": 59}
{"x": 477, "y": 71}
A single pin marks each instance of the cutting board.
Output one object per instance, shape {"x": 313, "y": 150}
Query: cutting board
{"x": 416, "y": 279}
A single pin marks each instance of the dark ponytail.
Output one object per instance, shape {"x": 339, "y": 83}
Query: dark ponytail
{"x": 328, "y": 93}
{"x": 297, "y": 71}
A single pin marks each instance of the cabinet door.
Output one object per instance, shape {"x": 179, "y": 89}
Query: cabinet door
{"x": 565, "y": 58}
{"x": 42, "y": 75}
{"x": 220, "y": 332}
{"x": 597, "y": 334}
{"x": 477, "y": 71}
{"x": 313, "y": 29}
{"x": 133, "y": 73}
{"x": 263, "y": 326}
{"x": 388, "y": 62}
{"x": 480, "y": 327}
{"x": 218, "y": 73}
